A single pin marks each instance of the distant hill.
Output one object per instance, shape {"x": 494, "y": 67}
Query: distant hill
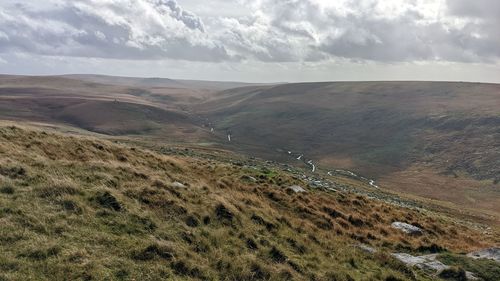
{"x": 156, "y": 82}
{"x": 103, "y": 108}
{"x": 382, "y": 123}
{"x": 435, "y": 139}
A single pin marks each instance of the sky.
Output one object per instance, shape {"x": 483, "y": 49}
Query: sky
{"x": 254, "y": 40}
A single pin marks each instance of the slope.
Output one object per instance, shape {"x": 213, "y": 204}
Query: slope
{"x": 76, "y": 207}
{"x": 435, "y": 139}
{"x": 102, "y": 108}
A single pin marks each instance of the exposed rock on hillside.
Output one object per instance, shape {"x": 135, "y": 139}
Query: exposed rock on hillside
{"x": 490, "y": 253}
{"x": 296, "y": 188}
{"x": 407, "y": 228}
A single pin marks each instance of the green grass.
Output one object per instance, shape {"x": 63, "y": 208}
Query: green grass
{"x": 488, "y": 270}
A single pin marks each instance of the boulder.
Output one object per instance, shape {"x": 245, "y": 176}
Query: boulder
{"x": 489, "y": 253}
{"x": 434, "y": 266}
{"x": 409, "y": 259}
{"x": 407, "y": 228}
{"x": 427, "y": 263}
{"x": 296, "y": 188}
{"x": 367, "y": 249}
{"x": 470, "y": 276}
{"x": 248, "y": 178}
{"x": 177, "y": 184}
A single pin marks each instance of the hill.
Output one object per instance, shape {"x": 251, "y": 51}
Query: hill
{"x": 433, "y": 139}
{"x": 157, "y": 82}
{"x": 102, "y": 108}
{"x": 80, "y": 207}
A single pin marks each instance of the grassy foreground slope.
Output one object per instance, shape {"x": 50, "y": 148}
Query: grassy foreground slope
{"x": 76, "y": 207}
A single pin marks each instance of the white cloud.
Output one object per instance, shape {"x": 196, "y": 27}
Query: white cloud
{"x": 129, "y": 29}
{"x": 392, "y": 31}
{"x": 256, "y": 30}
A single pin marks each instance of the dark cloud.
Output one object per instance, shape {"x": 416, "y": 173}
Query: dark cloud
{"x": 481, "y": 9}
{"x": 480, "y": 33}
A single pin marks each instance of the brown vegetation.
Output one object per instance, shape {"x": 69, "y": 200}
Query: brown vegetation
{"x": 82, "y": 208}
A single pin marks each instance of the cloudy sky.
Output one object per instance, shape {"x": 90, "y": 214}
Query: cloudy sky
{"x": 254, "y": 40}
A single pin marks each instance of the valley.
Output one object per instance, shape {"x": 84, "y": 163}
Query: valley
{"x": 270, "y": 168}
{"x": 249, "y": 140}
{"x": 435, "y": 141}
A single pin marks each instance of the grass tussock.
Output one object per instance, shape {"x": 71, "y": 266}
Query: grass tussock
{"x": 80, "y": 208}
{"x": 487, "y": 270}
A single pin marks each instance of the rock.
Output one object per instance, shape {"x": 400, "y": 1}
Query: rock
{"x": 367, "y": 249}
{"x": 296, "y": 189}
{"x": 407, "y": 228}
{"x": 435, "y": 266}
{"x": 470, "y": 276}
{"x": 409, "y": 259}
{"x": 489, "y": 253}
{"x": 248, "y": 178}
{"x": 177, "y": 184}
{"x": 426, "y": 262}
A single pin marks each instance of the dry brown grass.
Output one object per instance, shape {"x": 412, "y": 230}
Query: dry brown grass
{"x": 465, "y": 195}
{"x": 85, "y": 208}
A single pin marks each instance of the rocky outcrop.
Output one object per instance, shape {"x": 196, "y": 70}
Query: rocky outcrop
{"x": 296, "y": 189}
{"x": 407, "y": 228}
{"x": 366, "y": 248}
{"x": 427, "y": 263}
{"x": 490, "y": 253}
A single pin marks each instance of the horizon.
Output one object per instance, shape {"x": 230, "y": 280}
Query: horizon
{"x": 64, "y": 75}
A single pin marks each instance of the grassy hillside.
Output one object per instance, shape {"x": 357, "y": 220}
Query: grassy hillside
{"x": 75, "y": 207}
{"x": 102, "y": 108}
{"x": 379, "y": 123}
{"x": 157, "y": 82}
{"x": 433, "y": 139}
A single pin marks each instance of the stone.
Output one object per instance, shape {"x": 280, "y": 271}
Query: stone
{"x": 489, "y": 253}
{"x": 409, "y": 259}
{"x": 177, "y": 184}
{"x": 367, "y": 249}
{"x": 470, "y": 276}
{"x": 248, "y": 178}
{"x": 406, "y": 228}
{"x": 428, "y": 263}
{"x": 296, "y": 188}
{"x": 435, "y": 266}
